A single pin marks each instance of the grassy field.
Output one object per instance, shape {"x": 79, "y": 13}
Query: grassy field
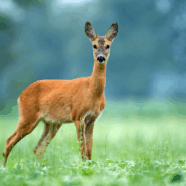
{"x": 130, "y": 148}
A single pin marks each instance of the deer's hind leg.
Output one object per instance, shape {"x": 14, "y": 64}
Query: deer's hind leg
{"x": 25, "y": 126}
{"x": 43, "y": 135}
{"x": 46, "y": 139}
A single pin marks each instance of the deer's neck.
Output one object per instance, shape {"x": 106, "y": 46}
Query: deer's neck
{"x": 98, "y": 79}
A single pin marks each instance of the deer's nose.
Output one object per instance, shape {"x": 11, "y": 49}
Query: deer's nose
{"x": 101, "y": 59}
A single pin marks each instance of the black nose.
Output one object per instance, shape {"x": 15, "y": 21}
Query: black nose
{"x": 101, "y": 59}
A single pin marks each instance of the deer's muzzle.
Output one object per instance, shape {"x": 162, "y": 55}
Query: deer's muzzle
{"x": 101, "y": 59}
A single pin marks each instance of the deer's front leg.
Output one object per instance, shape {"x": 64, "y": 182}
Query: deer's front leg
{"x": 80, "y": 128}
{"x": 89, "y": 139}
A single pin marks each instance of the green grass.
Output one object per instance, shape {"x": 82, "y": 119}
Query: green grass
{"x": 135, "y": 151}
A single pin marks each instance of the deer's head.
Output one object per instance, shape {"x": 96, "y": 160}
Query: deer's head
{"x": 101, "y": 44}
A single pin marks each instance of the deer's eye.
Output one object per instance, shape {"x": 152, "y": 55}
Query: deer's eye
{"x": 95, "y": 46}
{"x": 108, "y": 46}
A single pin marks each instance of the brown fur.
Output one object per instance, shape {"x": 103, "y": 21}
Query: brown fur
{"x": 64, "y": 101}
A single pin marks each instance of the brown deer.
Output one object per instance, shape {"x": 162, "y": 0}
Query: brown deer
{"x": 56, "y": 102}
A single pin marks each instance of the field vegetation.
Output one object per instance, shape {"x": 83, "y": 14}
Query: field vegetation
{"x": 141, "y": 143}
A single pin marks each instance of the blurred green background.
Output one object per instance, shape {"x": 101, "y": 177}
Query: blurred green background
{"x": 43, "y": 39}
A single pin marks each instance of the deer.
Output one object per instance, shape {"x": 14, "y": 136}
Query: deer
{"x": 56, "y": 102}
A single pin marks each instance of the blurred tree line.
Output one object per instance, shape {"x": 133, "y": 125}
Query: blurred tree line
{"x": 40, "y": 40}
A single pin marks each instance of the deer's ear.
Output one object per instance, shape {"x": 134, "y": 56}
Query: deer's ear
{"x": 90, "y": 32}
{"x": 111, "y": 34}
